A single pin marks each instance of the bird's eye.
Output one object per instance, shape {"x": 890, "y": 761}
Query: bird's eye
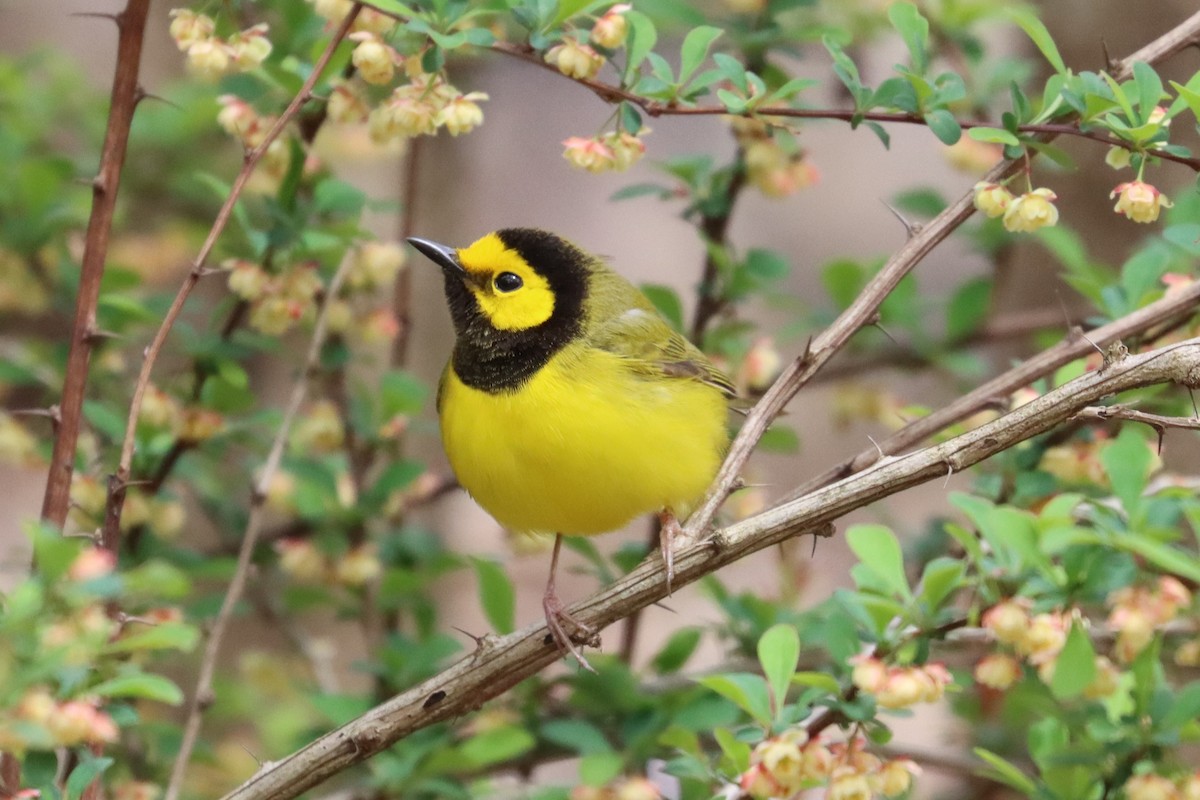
{"x": 508, "y": 282}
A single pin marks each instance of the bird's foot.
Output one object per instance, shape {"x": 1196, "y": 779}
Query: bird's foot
{"x": 669, "y": 528}
{"x": 557, "y": 619}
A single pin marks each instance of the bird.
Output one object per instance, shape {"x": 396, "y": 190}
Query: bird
{"x": 569, "y": 405}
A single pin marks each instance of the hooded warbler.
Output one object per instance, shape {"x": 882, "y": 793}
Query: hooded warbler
{"x": 569, "y": 405}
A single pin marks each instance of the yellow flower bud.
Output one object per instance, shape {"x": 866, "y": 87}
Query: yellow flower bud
{"x": 1031, "y": 211}
{"x": 992, "y": 199}
{"x": 1139, "y": 201}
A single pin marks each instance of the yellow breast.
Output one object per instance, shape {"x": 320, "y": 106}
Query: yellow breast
{"x": 582, "y": 449}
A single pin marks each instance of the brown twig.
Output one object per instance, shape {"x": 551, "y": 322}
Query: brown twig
{"x": 131, "y": 26}
{"x": 500, "y": 663}
{"x": 1158, "y": 422}
{"x": 119, "y": 480}
{"x": 202, "y": 695}
{"x": 1000, "y": 387}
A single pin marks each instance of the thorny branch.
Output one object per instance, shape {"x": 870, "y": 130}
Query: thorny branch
{"x": 118, "y": 482}
{"x": 126, "y": 93}
{"x": 501, "y": 662}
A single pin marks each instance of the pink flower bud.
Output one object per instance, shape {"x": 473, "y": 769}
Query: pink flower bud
{"x": 575, "y": 60}
{"x": 590, "y": 154}
{"x": 611, "y": 29}
{"x": 91, "y": 563}
{"x": 1139, "y": 201}
{"x": 997, "y": 671}
{"x": 1007, "y": 620}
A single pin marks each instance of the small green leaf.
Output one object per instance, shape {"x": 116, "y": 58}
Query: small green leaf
{"x": 1027, "y": 19}
{"x": 1149, "y": 87}
{"x": 87, "y": 770}
{"x": 940, "y": 578}
{"x": 879, "y": 550}
{"x": 496, "y": 594}
{"x": 667, "y": 301}
{"x": 640, "y": 42}
{"x": 161, "y": 636}
{"x": 734, "y": 749}
{"x": 1126, "y": 461}
{"x": 997, "y": 135}
{"x": 145, "y": 686}
{"x": 498, "y": 744}
{"x": 818, "y": 679}
{"x": 597, "y": 769}
{"x": 943, "y": 124}
{"x": 678, "y": 649}
{"x": 967, "y": 310}
{"x": 778, "y": 652}
{"x": 914, "y": 29}
{"x": 695, "y": 49}
{"x": 747, "y": 691}
{"x": 1006, "y": 772}
{"x": 576, "y": 734}
{"x": 1075, "y": 667}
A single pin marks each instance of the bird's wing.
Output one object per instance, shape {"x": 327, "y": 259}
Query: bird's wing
{"x": 651, "y": 347}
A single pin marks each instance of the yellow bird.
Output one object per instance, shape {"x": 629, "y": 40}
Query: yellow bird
{"x": 569, "y": 405}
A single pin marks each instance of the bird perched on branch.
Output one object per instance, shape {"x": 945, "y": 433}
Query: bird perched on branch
{"x": 569, "y": 405}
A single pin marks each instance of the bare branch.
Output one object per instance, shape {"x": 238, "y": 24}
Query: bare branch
{"x": 1156, "y": 421}
{"x": 131, "y": 24}
{"x": 500, "y": 663}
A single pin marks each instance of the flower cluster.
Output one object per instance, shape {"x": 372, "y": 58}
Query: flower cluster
{"x": 42, "y": 721}
{"x": 303, "y": 561}
{"x": 612, "y": 151}
{"x": 1038, "y": 639}
{"x": 1150, "y": 786}
{"x": 277, "y": 301}
{"x": 208, "y": 56}
{"x": 1137, "y": 611}
{"x": 1136, "y": 200}
{"x": 368, "y": 20}
{"x": 630, "y": 788}
{"x": 421, "y": 106}
{"x": 900, "y": 687}
{"x": 783, "y": 765}
{"x": 771, "y": 167}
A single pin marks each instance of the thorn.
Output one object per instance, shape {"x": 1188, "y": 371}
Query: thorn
{"x": 250, "y": 753}
{"x": 51, "y": 413}
{"x": 949, "y": 474}
{"x": 878, "y": 449}
{"x": 1093, "y": 344}
{"x": 1161, "y": 433}
{"x": 142, "y": 94}
{"x": 204, "y": 272}
{"x": 116, "y": 18}
{"x": 813, "y": 554}
{"x": 1195, "y": 411}
{"x": 1110, "y": 63}
{"x": 912, "y": 228}
{"x": 665, "y": 607}
{"x": 93, "y": 335}
{"x": 479, "y": 640}
{"x": 875, "y": 324}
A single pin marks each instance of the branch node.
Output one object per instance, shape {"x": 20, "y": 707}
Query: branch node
{"x": 433, "y": 699}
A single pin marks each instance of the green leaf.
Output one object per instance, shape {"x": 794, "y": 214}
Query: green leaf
{"x": 678, "y": 649}
{"x": 967, "y": 309}
{"x": 940, "y": 578}
{"x": 747, "y": 691}
{"x": 778, "y": 652}
{"x": 734, "y": 749}
{"x": 1167, "y": 558}
{"x": 818, "y": 679}
{"x": 1027, "y": 19}
{"x": 1075, "y": 667}
{"x": 879, "y": 550}
{"x": 843, "y": 279}
{"x": 914, "y": 29}
{"x": 1006, "y": 773}
{"x": 87, "y": 770}
{"x": 576, "y": 734}
{"x": 597, "y": 769}
{"x": 667, "y": 301}
{"x": 1126, "y": 461}
{"x": 943, "y": 124}
{"x": 641, "y": 40}
{"x": 496, "y": 594}
{"x": 1149, "y": 87}
{"x": 161, "y": 636}
{"x": 498, "y": 744}
{"x": 695, "y": 49}
{"x": 1189, "y": 95}
{"x": 997, "y": 135}
{"x": 145, "y": 686}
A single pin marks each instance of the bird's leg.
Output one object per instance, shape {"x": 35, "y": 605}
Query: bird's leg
{"x": 668, "y": 529}
{"x": 556, "y": 615}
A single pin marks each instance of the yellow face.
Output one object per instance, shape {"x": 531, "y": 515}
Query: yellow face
{"x": 511, "y": 294}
